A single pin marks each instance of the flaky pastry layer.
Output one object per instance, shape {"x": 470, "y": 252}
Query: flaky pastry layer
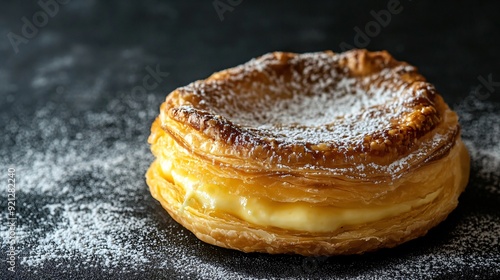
{"x": 338, "y": 219}
{"x": 314, "y": 176}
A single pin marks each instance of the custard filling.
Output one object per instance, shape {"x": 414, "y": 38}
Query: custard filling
{"x": 301, "y": 216}
{"x": 253, "y": 201}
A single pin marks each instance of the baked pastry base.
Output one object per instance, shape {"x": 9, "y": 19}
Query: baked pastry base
{"x": 231, "y": 232}
{"x": 312, "y": 154}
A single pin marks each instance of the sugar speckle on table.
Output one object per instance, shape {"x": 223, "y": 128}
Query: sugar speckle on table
{"x": 84, "y": 206}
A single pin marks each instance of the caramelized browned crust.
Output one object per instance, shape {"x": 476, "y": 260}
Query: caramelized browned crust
{"x": 224, "y": 109}
{"x": 356, "y": 130}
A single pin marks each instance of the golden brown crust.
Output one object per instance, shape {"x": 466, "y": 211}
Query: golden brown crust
{"x": 411, "y": 108}
{"x": 351, "y": 131}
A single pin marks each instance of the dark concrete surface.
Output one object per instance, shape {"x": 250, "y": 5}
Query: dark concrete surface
{"x": 90, "y": 57}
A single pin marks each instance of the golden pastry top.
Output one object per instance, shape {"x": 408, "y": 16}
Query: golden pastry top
{"x": 359, "y": 113}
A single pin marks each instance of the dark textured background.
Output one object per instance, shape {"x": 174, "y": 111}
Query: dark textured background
{"x": 93, "y": 53}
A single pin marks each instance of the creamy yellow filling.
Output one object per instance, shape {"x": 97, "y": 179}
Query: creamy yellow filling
{"x": 293, "y": 216}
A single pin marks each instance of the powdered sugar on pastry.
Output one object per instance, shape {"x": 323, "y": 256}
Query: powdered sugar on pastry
{"x": 349, "y": 110}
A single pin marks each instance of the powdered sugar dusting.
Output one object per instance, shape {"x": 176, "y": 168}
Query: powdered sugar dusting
{"x": 458, "y": 255}
{"x": 314, "y": 99}
{"x": 481, "y": 133}
{"x": 95, "y": 231}
{"x": 336, "y": 107}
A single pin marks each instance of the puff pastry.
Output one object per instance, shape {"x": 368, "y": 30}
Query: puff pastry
{"x": 311, "y": 154}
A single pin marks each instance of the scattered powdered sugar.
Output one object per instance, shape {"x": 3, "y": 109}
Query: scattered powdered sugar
{"x": 84, "y": 210}
{"x": 95, "y": 232}
{"x": 311, "y": 98}
{"x": 457, "y": 254}
{"x": 75, "y": 177}
{"x": 481, "y": 133}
